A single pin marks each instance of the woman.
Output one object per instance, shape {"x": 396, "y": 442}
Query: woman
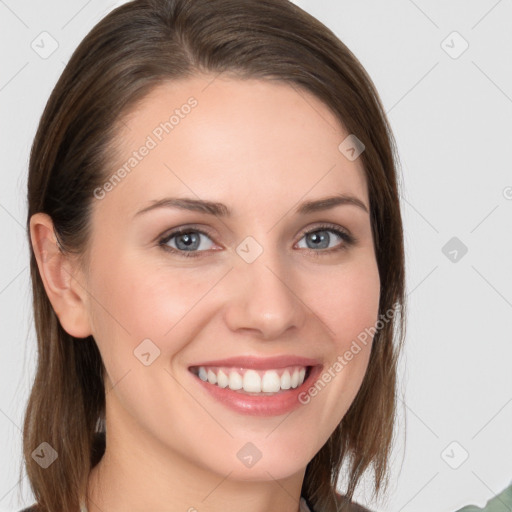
{"x": 217, "y": 266}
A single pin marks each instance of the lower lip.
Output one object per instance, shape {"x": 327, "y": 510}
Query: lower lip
{"x": 264, "y": 405}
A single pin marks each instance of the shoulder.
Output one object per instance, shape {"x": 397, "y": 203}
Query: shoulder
{"x": 33, "y": 508}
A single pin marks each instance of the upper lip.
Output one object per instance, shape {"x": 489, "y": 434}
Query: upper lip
{"x": 261, "y": 363}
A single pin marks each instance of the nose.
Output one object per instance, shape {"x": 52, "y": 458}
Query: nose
{"x": 264, "y": 301}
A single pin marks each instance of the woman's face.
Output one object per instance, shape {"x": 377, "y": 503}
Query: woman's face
{"x": 255, "y": 282}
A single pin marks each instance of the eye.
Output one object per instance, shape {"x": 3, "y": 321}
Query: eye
{"x": 187, "y": 243}
{"x": 321, "y": 237}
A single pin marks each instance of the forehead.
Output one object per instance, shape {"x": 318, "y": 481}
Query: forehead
{"x": 232, "y": 140}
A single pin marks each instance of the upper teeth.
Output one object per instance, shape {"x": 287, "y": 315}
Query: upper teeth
{"x": 253, "y": 381}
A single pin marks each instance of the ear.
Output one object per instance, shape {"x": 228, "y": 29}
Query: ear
{"x": 64, "y": 284}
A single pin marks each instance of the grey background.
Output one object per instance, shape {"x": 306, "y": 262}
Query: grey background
{"x": 452, "y": 121}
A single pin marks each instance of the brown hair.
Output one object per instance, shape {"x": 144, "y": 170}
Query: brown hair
{"x": 133, "y": 49}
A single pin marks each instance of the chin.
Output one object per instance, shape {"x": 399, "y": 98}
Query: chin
{"x": 248, "y": 463}
{"x": 263, "y": 473}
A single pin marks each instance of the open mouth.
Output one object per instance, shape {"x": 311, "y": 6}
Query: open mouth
{"x": 253, "y": 382}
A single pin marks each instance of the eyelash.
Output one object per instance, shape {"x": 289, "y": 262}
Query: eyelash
{"x": 348, "y": 240}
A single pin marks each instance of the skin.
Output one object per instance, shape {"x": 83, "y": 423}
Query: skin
{"x": 260, "y": 148}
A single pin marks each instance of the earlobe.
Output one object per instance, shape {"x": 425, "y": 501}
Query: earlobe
{"x": 61, "y": 279}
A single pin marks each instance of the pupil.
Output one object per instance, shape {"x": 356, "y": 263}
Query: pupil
{"x": 187, "y": 239}
{"x": 319, "y": 238}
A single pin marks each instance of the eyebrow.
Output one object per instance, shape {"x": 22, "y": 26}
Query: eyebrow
{"x": 221, "y": 210}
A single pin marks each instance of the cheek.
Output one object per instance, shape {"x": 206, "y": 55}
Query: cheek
{"x": 348, "y": 305}
{"x": 136, "y": 300}
{"x": 143, "y": 315}
{"x": 347, "y": 299}
{"x": 139, "y": 299}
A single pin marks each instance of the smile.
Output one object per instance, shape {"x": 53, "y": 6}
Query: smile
{"x": 248, "y": 380}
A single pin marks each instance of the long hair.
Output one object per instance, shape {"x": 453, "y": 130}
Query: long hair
{"x": 135, "y": 48}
